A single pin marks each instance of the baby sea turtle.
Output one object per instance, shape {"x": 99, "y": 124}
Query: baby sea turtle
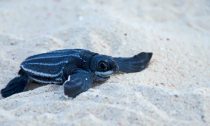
{"x": 76, "y": 69}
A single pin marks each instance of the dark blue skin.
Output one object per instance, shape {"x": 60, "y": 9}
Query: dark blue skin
{"x": 126, "y": 65}
{"x": 79, "y": 74}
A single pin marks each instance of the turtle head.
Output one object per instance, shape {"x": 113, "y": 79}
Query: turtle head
{"x": 103, "y": 66}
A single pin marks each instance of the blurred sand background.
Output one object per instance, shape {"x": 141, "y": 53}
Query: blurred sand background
{"x": 173, "y": 91}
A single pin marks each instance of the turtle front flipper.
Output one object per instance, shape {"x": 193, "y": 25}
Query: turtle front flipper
{"x": 16, "y": 85}
{"x": 133, "y": 64}
{"x": 78, "y": 82}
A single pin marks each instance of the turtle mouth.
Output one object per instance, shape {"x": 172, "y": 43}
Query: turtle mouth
{"x": 106, "y": 74}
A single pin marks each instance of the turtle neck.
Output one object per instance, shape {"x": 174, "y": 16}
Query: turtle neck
{"x": 87, "y": 56}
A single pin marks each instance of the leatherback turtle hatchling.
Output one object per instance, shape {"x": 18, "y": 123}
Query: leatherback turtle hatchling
{"x": 77, "y": 69}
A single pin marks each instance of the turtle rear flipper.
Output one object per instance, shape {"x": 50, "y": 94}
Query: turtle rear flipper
{"x": 16, "y": 85}
{"x": 133, "y": 64}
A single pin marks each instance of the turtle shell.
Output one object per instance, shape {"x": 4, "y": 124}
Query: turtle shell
{"x": 48, "y": 67}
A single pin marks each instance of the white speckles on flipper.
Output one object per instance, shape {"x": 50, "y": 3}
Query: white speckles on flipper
{"x": 69, "y": 78}
{"x": 65, "y": 96}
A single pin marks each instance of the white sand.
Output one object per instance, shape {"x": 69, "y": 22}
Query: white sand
{"x": 174, "y": 90}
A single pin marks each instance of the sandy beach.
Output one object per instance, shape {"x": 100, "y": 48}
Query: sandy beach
{"x": 173, "y": 91}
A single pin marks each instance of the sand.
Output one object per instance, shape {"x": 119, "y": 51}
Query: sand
{"x": 173, "y": 90}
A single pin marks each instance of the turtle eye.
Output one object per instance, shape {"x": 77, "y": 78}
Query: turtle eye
{"x": 103, "y": 66}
